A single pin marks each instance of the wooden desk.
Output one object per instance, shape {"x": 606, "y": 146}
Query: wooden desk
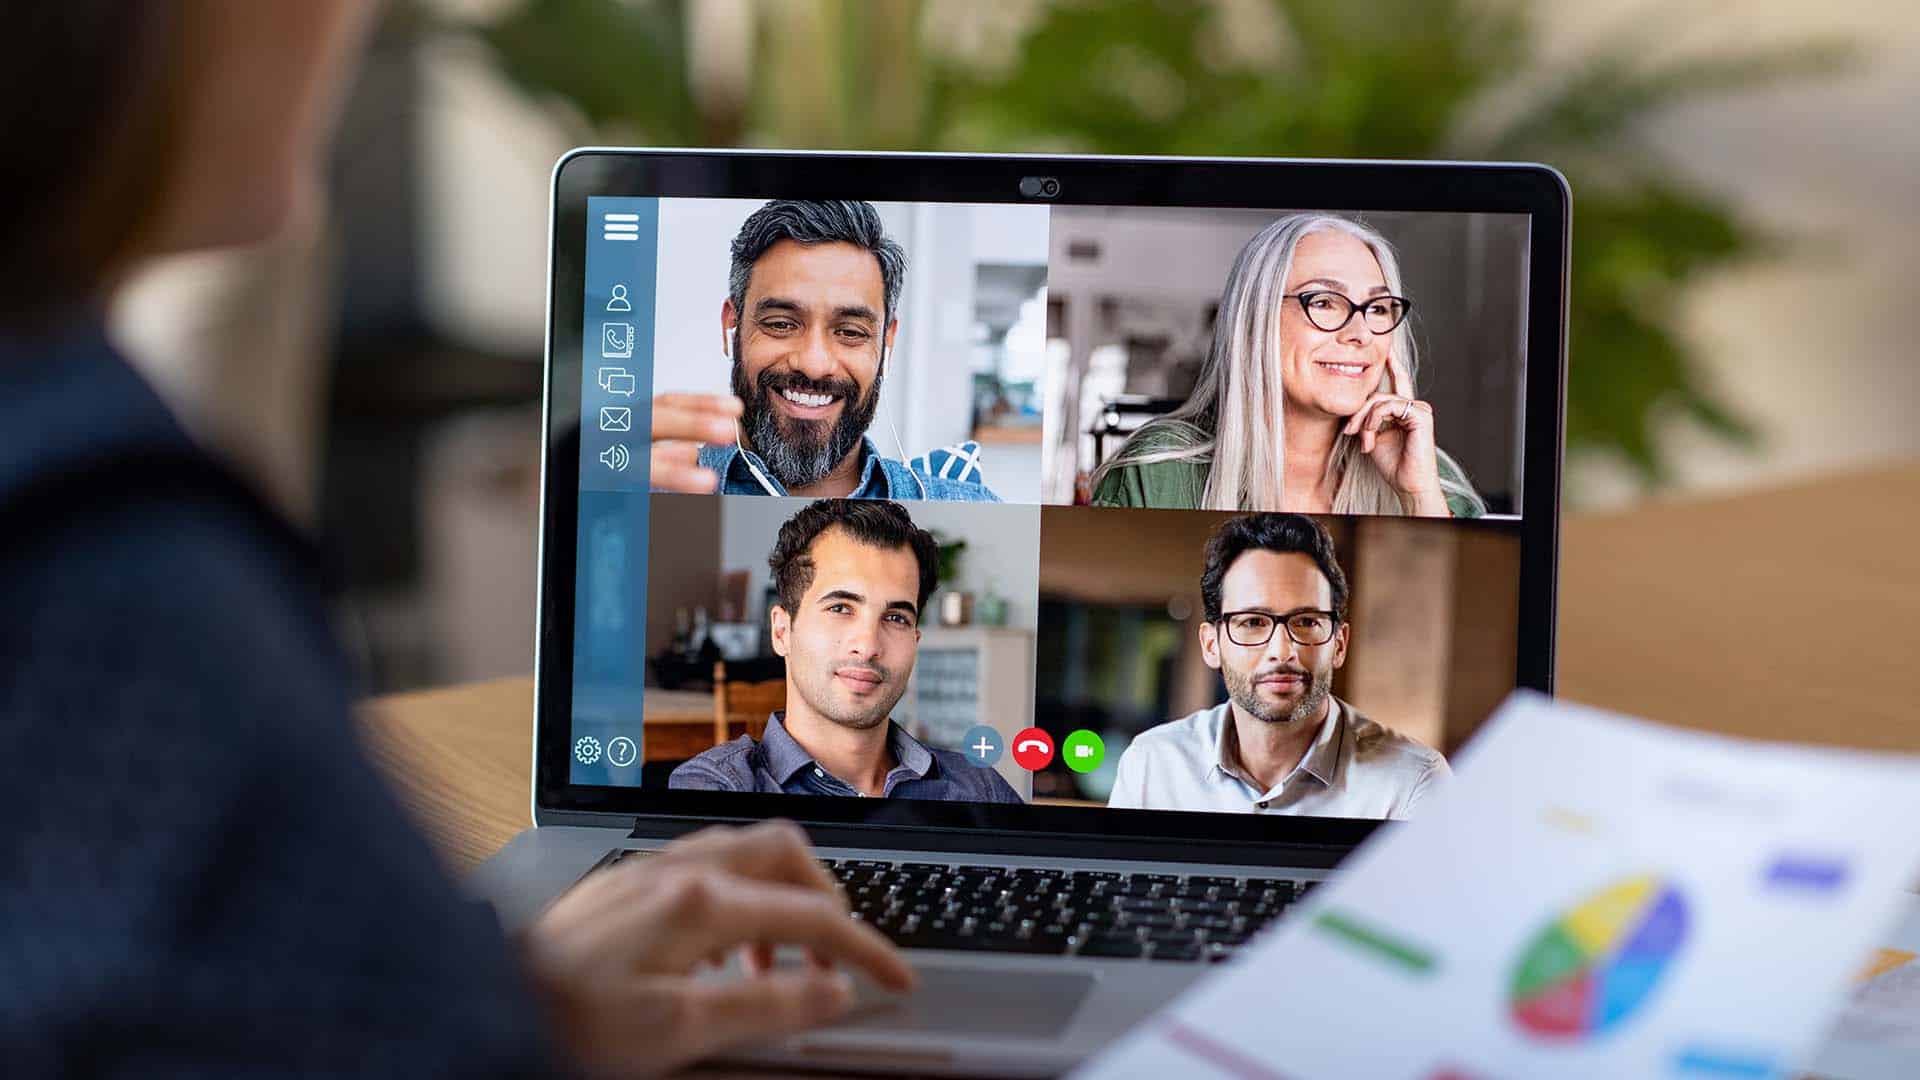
{"x": 1789, "y": 614}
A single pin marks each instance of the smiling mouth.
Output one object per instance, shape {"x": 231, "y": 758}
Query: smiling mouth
{"x": 1345, "y": 371}
{"x": 807, "y": 401}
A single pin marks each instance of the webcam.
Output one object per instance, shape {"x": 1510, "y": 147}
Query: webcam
{"x": 1039, "y": 187}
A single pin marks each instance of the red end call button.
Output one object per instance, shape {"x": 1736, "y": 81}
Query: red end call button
{"x": 1033, "y": 749}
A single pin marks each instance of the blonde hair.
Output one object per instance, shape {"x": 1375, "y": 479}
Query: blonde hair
{"x": 1233, "y": 421}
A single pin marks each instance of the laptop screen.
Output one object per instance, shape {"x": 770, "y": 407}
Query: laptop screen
{"x": 1186, "y": 510}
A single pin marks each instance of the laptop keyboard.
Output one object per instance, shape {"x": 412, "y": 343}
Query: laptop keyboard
{"x": 1166, "y": 917}
{"x": 1042, "y": 912}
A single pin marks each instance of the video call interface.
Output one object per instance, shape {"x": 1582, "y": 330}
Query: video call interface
{"x": 1203, "y": 510}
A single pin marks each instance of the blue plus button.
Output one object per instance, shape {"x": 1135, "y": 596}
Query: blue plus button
{"x": 983, "y": 746}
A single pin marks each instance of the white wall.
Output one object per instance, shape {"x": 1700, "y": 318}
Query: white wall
{"x": 690, "y": 285}
{"x": 1178, "y": 255}
{"x": 1003, "y": 551}
{"x": 931, "y": 385}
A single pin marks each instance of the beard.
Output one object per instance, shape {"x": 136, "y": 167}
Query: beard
{"x": 1241, "y": 691}
{"x": 801, "y": 452}
{"x": 815, "y": 683}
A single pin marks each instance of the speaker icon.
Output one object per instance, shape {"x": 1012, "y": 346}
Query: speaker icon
{"x": 615, "y": 457}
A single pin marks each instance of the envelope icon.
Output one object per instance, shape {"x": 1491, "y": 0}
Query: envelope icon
{"x": 616, "y": 418}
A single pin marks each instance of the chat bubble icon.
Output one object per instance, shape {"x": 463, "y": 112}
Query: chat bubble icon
{"x": 616, "y": 380}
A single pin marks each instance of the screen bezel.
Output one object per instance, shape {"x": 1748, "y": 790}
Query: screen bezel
{"x": 1353, "y": 186}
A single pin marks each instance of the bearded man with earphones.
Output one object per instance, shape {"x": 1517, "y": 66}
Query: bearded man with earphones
{"x": 808, "y": 327}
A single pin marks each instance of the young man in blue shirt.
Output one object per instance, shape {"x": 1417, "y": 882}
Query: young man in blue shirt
{"x": 853, "y": 578}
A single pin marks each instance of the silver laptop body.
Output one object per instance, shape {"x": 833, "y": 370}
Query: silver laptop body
{"x": 989, "y": 1012}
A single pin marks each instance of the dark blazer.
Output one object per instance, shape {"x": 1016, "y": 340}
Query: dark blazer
{"x": 200, "y": 873}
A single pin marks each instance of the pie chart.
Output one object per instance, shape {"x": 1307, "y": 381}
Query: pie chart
{"x": 1596, "y": 963}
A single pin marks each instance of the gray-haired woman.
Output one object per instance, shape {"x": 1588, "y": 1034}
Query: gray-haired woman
{"x": 1306, "y": 402}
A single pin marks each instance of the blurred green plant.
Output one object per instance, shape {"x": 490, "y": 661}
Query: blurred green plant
{"x": 809, "y": 73}
{"x": 1464, "y": 79}
{"x": 952, "y": 549}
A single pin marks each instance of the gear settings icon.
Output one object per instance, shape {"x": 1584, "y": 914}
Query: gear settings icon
{"x": 586, "y": 749}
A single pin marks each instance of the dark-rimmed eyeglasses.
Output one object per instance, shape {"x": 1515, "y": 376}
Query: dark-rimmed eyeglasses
{"x": 1330, "y": 310}
{"x": 1250, "y": 629}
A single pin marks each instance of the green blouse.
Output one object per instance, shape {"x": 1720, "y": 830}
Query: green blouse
{"x": 1180, "y": 484}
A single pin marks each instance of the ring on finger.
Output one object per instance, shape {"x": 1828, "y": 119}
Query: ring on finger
{"x": 1406, "y": 408}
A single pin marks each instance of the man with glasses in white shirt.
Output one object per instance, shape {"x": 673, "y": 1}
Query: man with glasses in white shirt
{"x": 1275, "y": 603}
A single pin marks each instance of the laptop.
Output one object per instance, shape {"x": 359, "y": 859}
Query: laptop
{"x": 1108, "y": 546}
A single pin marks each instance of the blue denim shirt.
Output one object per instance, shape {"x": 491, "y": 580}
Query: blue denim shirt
{"x": 779, "y": 765}
{"x": 950, "y": 474}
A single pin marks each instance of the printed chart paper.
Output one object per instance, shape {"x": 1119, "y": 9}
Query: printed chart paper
{"x": 1594, "y": 896}
{"x": 1878, "y": 1035}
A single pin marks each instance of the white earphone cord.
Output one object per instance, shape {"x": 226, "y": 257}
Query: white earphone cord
{"x": 739, "y": 436}
{"x": 905, "y": 461}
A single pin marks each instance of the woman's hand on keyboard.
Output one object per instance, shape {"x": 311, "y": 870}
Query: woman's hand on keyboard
{"x": 619, "y": 959}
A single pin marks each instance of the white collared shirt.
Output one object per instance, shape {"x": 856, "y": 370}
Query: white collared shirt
{"x": 1354, "y": 769}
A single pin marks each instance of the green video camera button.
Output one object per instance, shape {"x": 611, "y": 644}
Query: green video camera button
{"x": 1083, "y": 751}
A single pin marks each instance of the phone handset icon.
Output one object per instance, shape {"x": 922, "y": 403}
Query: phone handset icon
{"x": 1033, "y": 749}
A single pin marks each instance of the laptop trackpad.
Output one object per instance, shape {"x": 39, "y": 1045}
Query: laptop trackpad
{"x": 969, "y": 1001}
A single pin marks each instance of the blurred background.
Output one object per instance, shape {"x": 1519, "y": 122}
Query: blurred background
{"x": 1747, "y": 226}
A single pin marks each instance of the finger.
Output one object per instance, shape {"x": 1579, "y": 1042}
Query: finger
{"x": 1419, "y": 426}
{"x": 774, "y": 851}
{"x": 709, "y": 909}
{"x": 668, "y": 919}
{"x": 1366, "y": 407}
{"x": 699, "y": 427}
{"x": 1383, "y": 415}
{"x": 1364, "y": 416}
{"x": 1406, "y": 413}
{"x": 1397, "y": 412}
{"x": 605, "y": 891}
{"x": 757, "y": 958}
{"x": 720, "y": 1014}
{"x": 675, "y": 454}
{"x": 713, "y": 406}
{"x": 704, "y": 421}
{"x": 686, "y": 479}
{"x": 1399, "y": 381}
{"x": 725, "y": 405}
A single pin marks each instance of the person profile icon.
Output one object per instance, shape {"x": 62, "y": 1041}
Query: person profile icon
{"x": 619, "y": 301}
